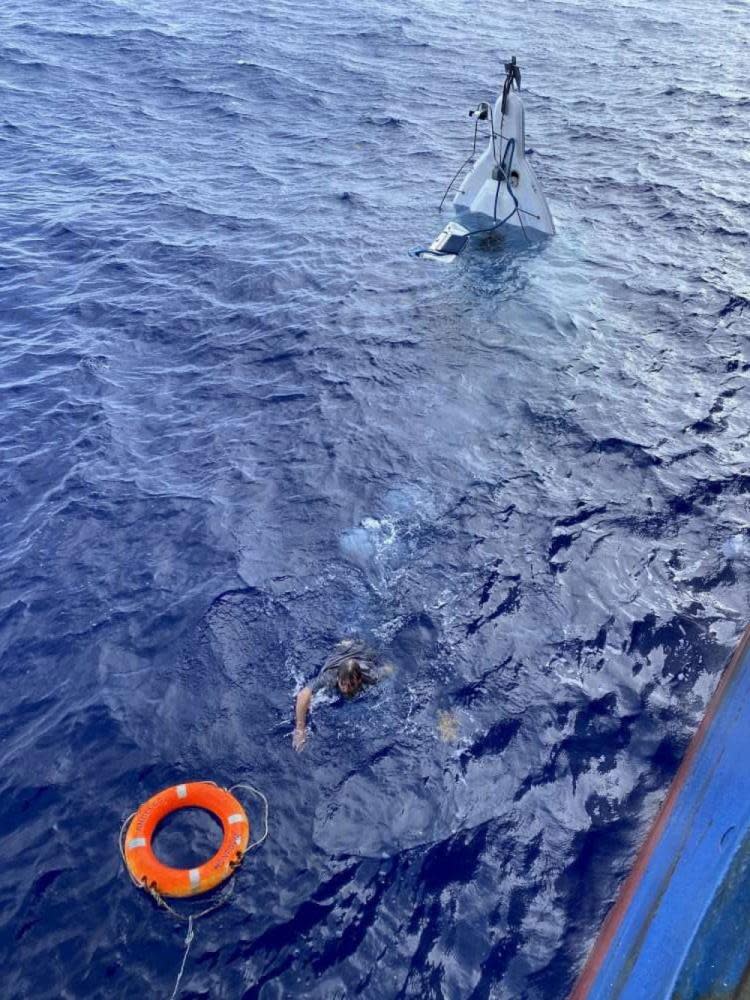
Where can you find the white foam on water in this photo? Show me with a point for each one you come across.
(736, 547)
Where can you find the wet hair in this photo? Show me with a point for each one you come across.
(351, 676)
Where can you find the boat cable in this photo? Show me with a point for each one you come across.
(465, 164)
(503, 174)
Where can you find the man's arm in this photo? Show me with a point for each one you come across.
(301, 709)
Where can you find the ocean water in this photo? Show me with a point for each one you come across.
(239, 422)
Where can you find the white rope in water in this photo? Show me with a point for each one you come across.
(264, 800)
(122, 849)
(188, 941)
(161, 901)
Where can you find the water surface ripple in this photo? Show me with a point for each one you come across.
(238, 421)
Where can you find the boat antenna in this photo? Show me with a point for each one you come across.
(512, 75)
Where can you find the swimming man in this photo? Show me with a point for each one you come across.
(351, 667)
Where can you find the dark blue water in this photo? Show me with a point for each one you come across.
(238, 422)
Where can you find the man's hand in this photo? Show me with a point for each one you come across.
(300, 718)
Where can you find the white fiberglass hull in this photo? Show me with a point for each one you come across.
(487, 198)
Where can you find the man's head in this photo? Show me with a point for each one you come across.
(351, 678)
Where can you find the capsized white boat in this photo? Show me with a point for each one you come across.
(501, 189)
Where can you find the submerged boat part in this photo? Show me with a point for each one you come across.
(446, 246)
(501, 188)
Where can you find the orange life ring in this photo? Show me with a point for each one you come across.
(149, 872)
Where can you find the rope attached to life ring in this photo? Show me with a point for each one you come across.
(190, 919)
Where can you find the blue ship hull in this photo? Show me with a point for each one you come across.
(680, 927)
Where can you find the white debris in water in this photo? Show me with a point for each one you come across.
(736, 547)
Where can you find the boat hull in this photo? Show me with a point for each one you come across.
(679, 926)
